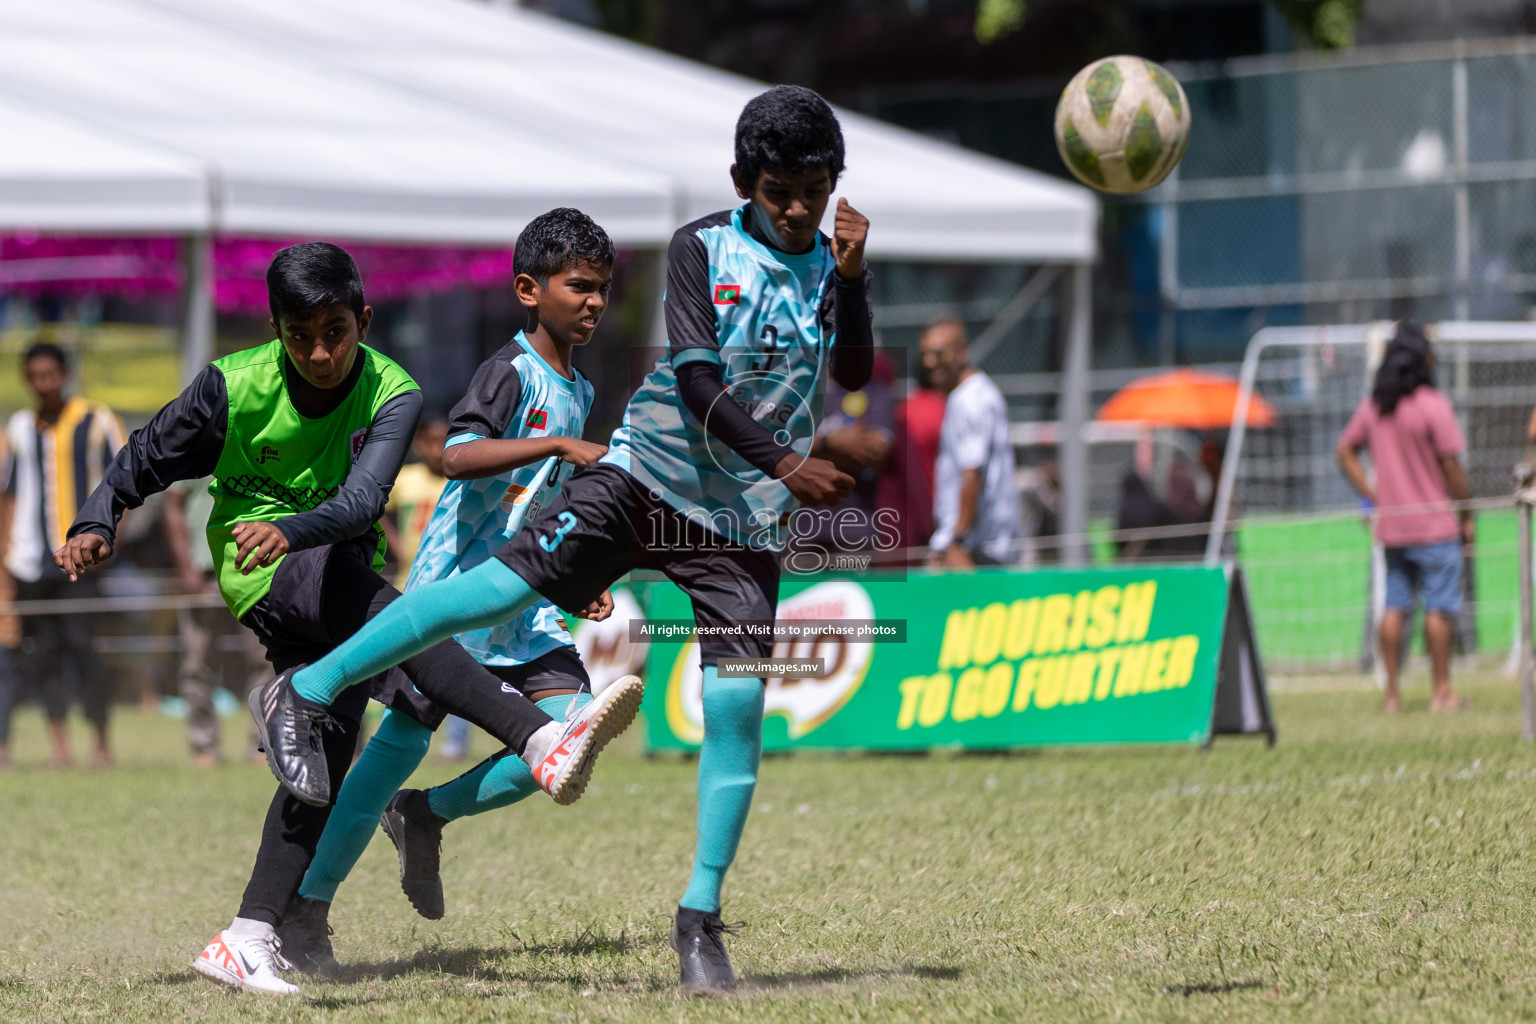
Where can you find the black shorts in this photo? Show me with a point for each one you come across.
(605, 523)
(319, 598)
(560, 669)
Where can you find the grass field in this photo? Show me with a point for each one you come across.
(1366, 869)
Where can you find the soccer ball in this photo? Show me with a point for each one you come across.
(1122, 124)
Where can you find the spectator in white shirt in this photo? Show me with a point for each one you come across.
(975, 501)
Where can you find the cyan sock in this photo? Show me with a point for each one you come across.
(500, 779)
(392, 754)
(728, 760)
(486, 595)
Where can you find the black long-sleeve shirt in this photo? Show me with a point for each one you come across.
(185, 438)
(690, 320)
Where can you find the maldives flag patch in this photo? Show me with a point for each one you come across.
(537, 418)
(727, 294)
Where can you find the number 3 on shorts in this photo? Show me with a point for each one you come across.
(567, 524)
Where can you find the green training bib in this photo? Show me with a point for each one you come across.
(277, 463)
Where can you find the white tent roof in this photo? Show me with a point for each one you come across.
(569, 95)
(57, 176)
(297, 145)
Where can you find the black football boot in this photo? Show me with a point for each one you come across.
(306, 936)
(704, 968)
(418, 837)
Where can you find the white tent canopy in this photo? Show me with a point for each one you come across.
(587, 93)
(293, 145)
(445, 120)
(58, 176)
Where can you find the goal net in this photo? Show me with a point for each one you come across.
(1301, 533)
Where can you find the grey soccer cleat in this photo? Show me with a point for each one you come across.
(418, 837)
(704, 969)
(290, 730)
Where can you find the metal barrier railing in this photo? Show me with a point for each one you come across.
(110, 605)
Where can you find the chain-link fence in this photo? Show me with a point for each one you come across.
(909, 296)
(1349, 188)
(1341, 188)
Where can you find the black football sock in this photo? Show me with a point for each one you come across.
(456, 682)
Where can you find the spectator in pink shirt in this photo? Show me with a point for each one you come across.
(1411, 432)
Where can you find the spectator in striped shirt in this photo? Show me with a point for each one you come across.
(55, 455)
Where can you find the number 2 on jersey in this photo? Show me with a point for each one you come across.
(771, 335)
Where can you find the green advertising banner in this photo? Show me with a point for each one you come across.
(991, 659)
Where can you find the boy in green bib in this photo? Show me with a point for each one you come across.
(303, 437)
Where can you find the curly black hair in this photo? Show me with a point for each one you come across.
(559, 240)
(312, 276)
(787, 128)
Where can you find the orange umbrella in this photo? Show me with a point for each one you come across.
(1185, 398)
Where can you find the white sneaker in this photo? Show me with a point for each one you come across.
(245, 962)
(562, 761)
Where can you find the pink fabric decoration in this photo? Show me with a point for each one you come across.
(31, 264)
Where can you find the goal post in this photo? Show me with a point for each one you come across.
(1282, 498)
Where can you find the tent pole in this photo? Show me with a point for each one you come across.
(198, 334)
(1014, 310)
(1073, 461)
(658, 338)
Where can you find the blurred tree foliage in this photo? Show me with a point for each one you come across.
(719, 31)
(1326, 24)
(799, 40)
(693, 28)
(690, 26)
(997, 18)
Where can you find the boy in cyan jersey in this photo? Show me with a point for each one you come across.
(701, 478)
(303, 437)
(511, 440)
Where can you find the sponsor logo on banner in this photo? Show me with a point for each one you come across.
(993, 659)
(1039, 653)
(805, 703)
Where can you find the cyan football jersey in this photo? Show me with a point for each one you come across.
(514, 394)
(771, 334)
